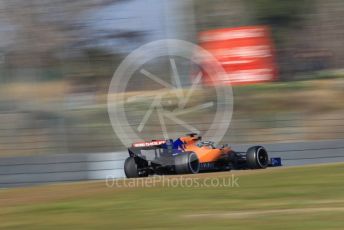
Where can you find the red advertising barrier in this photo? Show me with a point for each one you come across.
(246, 54)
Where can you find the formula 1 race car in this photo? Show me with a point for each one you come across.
(191, 155)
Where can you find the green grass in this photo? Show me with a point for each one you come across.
(285, 198)
(273, 87)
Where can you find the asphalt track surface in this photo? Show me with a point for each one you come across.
(304, 153)
(27, 171)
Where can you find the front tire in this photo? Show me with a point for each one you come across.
(257, 157)
(187, 163)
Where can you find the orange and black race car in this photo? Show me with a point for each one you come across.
(190, 155)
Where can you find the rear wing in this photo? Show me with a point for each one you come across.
(148, 144)
(155, 148)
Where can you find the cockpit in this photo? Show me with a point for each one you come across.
(209, 144)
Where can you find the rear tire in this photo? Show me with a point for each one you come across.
(257, 157)
(187, 163)
(130, 168)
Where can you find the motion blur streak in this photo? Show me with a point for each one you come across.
(280, 86)
(57, 58)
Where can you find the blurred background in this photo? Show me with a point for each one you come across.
(57, 58)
